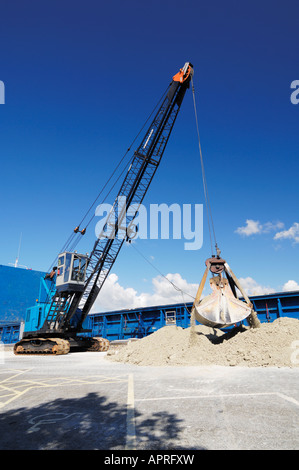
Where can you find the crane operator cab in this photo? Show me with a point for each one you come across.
(71, 272)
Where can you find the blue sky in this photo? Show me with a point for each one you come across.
(80, 80)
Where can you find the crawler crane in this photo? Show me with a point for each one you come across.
(56, 325)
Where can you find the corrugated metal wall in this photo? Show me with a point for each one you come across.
(123, 324)
(19, 289)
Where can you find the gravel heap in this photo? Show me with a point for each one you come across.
(273, 344)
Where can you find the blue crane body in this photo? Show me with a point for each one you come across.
(56, 325)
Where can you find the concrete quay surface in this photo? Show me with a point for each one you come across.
(84, 401)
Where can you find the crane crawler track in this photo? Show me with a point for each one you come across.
(42, 346)
(99, 344)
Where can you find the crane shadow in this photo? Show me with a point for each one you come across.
(90, 422)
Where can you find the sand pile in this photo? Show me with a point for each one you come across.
(273, 344)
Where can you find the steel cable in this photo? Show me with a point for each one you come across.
(205, 186)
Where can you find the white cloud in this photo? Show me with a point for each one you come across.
(270, 226)
(114, 296)
(252, 287)
(290, 286)
(254, 227)
(292, 233)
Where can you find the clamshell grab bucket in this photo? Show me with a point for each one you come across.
(221, 308)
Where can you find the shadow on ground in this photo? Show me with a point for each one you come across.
(85, 423)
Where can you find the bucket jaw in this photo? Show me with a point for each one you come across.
(222, 307)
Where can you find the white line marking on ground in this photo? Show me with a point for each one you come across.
(290, 399)
(206, 396)
(278, 394)
(131, 436)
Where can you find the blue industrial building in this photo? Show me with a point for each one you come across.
(140, 322)
(20, 288)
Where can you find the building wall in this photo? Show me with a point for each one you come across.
(136, 323)
(19, 289)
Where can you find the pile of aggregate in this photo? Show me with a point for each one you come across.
(272, 344)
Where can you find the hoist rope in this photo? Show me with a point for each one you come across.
(205, 186)
(161, 274)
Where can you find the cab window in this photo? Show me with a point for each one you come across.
(60, 265)
(78, 271)
(68, 260)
